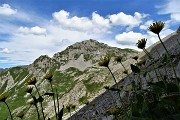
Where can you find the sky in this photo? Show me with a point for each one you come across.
(30, 28)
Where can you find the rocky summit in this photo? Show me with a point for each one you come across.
(77, 78)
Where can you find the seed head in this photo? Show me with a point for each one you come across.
(142, 62)
(49, 76)
(156, 27)
(141, 44)
(135, 57)
(29, 89)
(32, 81)
(3, 97)
(105, 61)
(21, 114)
(106, 87)
(125, 72)
(119, 58)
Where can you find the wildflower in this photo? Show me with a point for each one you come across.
(73, 107)
(135, 69)
(142, 62)
(156, 27)
(125, 72)
(20, 115)
(29, 90)
(119, 58)
(105, 61)
(49, 76)
(32, 81)
(106, 87)
(141, 44)
(135, 57)
(3, 97)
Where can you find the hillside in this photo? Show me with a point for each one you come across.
(76, 76)
(106, 105)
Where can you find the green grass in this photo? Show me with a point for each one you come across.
(92, 87)
(83, 100)
(63, 82)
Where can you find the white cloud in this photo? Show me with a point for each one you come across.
(129, 38)
(146, 25)
(6, 9)
(33, 30)
(6, 51)
(97, 24)
(123, 19)
(63, 30)
(171, 7)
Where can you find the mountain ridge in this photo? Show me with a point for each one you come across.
(67, 79)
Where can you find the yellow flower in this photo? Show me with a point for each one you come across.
(156, 27)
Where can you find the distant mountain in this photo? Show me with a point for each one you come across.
(76, 76)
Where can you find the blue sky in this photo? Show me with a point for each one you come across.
(30, 28)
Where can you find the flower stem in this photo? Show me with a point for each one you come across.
(153, 62)
(40, 102)
(57, 97)
(168, 55)
(9, 110)
(112, 75)
(117, 87)
(36, 107)
(54, 100)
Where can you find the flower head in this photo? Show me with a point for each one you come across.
(106, 87)
(142, 62)
(3, 97)
(105, 61)
(156, 27)
(20, 114)
(49, 76)
(125, 72)
(29, 89)
(119, 58)
(135, 57)
(141, 44)
(32, 81)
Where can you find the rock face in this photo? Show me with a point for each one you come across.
(76, 77)
(97, 108)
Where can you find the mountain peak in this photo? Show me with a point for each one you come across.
(89, 51)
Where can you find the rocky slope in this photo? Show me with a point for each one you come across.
(76, 76)
(97, 108)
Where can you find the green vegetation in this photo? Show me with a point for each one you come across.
(83, 100)
(92, 87)
(159, 100)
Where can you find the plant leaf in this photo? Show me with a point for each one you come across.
(60, 114)
(49, 94)
(135, 69)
